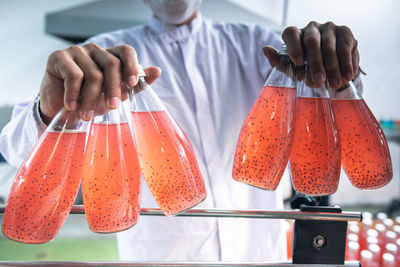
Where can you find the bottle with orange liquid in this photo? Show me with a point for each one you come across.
(47, 182)
(315, 155)
(264, 142)
(365, 154)
(111, 174)
(166, 157)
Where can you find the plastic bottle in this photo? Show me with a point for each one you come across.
(376, 252)
(365, 154)
(265, 139)
(315, 155)
(388, 223)
(367, 259)
(166, 157)
(111, 176)
(47, 182)
(390, 237)
(381, 229)
(352, 251)
(388, 260)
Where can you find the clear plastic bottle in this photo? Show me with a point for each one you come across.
(265, 139)
(365, 154)
(352, 251)
(388, 260)
(166, 157)
(381, 229)
(367, 259)
(47, 182)
(111, 175)
(376, 252)
(315, 155)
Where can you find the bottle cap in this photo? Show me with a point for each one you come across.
(284, 50)
(353, 245)
(141, 71)
(391, 235)
(381, 216)
(388, 258)
(366, 222)
(374, 248)
(388, 222)
(391, 248)
(353, 228)
(352, 237)
(367, 215)
(372, 232)
(366, 254)
(380, 227)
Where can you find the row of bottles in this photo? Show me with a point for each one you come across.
(109, 154)
(314, 128)
(376, 243)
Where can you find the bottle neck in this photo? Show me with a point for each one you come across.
(140, 86)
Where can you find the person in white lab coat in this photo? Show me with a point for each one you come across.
(212, 73)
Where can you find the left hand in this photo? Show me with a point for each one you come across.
(331, 52)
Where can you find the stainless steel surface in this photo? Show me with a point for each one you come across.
(255, 214)
(161, 264)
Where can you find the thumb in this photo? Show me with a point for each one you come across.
(272, 55)
(152, 74)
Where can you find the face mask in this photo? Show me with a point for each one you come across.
(173, 11)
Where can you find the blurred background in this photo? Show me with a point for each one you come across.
(31, 30)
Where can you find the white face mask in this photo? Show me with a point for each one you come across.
(173, 11)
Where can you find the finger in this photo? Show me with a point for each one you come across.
(292, 38)
(312, 47)
(152, 74)
(101, 107)
(328, 49)
(111, 67)
(92, 82)
(130, 64)
(61, 65)
(345, 46)
(355, 60)
(272, 55)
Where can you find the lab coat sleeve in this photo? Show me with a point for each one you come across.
(22, 132)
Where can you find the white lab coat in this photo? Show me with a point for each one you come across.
(212, 74)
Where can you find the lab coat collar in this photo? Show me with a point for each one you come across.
(170, 33)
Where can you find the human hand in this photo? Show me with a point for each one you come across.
(75, 78)
(331, 52)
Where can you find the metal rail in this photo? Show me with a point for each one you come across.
(255, 214)
(163, 264)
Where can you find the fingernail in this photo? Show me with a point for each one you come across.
(299, 61)
(348, 76)
(319, 78)
(72, 105)
(132, 80)
(89, 114)
(113, 102)
(333, 83)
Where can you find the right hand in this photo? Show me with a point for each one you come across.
(76, 76)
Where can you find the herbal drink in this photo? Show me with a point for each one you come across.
(111, 178)
(263, 147)
(365, 154)
(168, 162)
(45, 187)
(315, 156)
